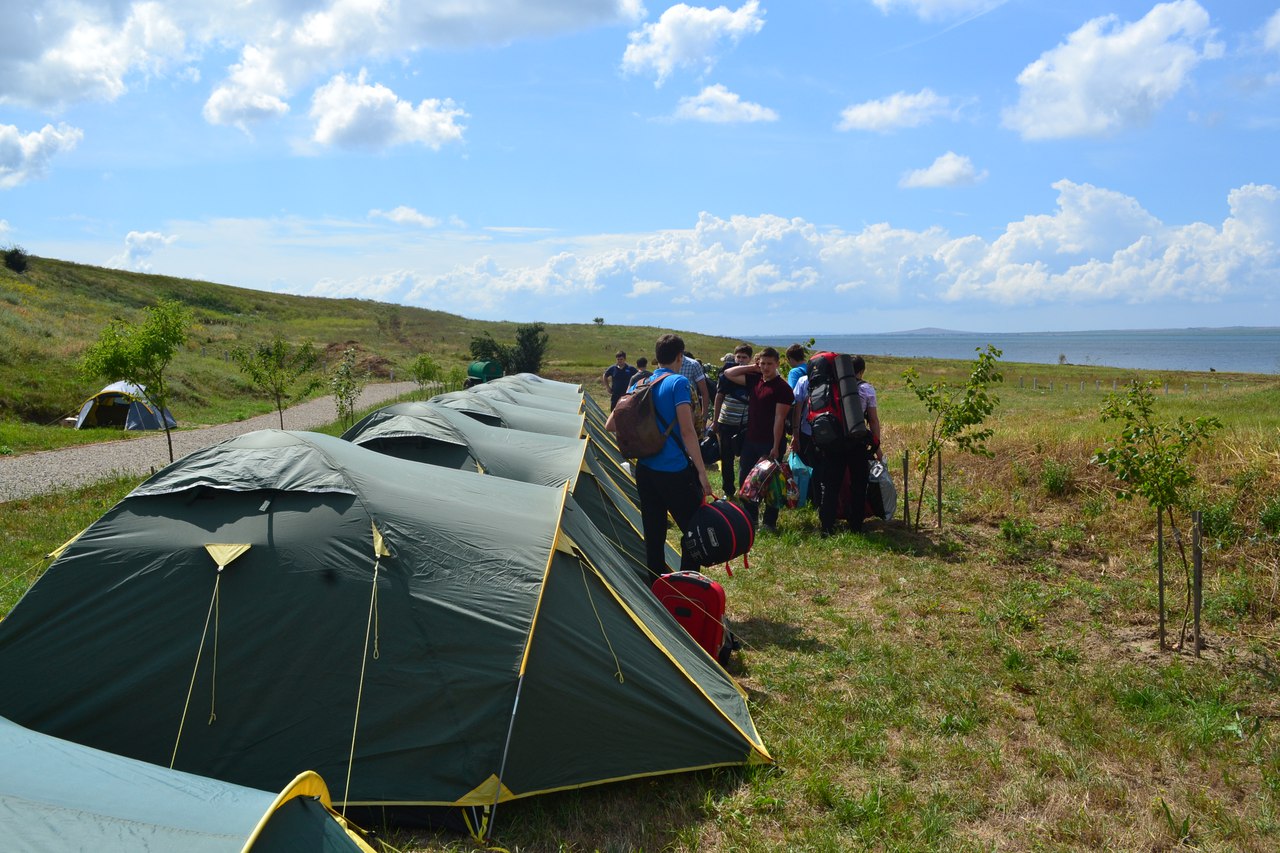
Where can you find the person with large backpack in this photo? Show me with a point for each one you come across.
(673, 480)
(843, 398)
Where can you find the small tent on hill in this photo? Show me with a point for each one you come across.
(438, 435)
(289, 600)
(122, 404)
(58, 795)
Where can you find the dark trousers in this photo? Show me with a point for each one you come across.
(830, 470)
(753, 452)
(832, 463)
(676, 493)
(614, 397)
(730, 445)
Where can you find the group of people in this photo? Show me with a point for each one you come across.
(755, 413)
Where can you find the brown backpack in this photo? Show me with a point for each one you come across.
(635, 421)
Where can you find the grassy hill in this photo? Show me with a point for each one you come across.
(51, 312)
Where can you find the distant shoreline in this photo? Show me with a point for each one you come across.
(1235, 349)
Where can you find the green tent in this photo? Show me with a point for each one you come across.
(438, 435)
(493, 409)
(498, 412)
(58, 795)
(289, 600)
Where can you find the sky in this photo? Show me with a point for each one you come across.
(803, 168)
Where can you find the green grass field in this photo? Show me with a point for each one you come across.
(993, 684)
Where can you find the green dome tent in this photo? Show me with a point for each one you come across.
(289, 600)
(438, 435)
(499, 412)
(58, 795)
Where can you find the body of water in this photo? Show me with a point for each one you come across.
(1232, 350)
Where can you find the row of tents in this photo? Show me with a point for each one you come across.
(446, 606)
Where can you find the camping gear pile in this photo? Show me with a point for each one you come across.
(423, 613)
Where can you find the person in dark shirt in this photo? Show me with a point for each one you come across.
(642, 369)
(768, 405)
(618, 378)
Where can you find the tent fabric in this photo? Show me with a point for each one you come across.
(59, 795)
(489, 590)
(499, 412)
(424, 433)
(122, 404)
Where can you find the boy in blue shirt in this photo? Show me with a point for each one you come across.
(674, 480)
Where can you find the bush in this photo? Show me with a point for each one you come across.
(1217, 521)
(16, 258)
(1269, 518)
(1056, 477)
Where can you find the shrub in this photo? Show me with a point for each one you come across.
(16, 258)
(1056, 477)
(1217, 521)
(1269, 518)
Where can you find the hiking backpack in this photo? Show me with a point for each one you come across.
(835, 406)
(635, 420)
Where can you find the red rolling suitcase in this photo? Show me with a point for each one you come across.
(697, 602)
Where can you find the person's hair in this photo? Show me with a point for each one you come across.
(744, 348)
(859, 364)
(769, 352)
(668, 348)
(619, 354)
(642, 362)
(795, 352)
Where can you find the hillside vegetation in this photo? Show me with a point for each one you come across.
(50, 313)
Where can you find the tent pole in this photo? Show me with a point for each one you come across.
(502, 766)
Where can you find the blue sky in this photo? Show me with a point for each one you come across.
(816, 167)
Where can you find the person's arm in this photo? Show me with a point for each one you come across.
(605, 379)
(715, 417)
(689, 437)
(609, 424)
(873, 421)
(795, 426)
(779, 427)
(738, 373)
(704, 397)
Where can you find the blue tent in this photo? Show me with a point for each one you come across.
(122, 404)
(59, 795)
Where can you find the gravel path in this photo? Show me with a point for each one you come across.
(53, 470)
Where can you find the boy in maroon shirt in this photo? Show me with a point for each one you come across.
(768, 405)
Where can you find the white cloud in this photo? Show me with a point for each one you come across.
(648, 288)
(355, 114)
(403, 215)
(4, 227)
(138, 248)
(717, 104)
(1108, 76)
(26, 156)
(897, 110)
(688, 37)
(1271, 32)
(932, 10)
(299, 46)
(64, 51)
(949, 170)
(1098, 247)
